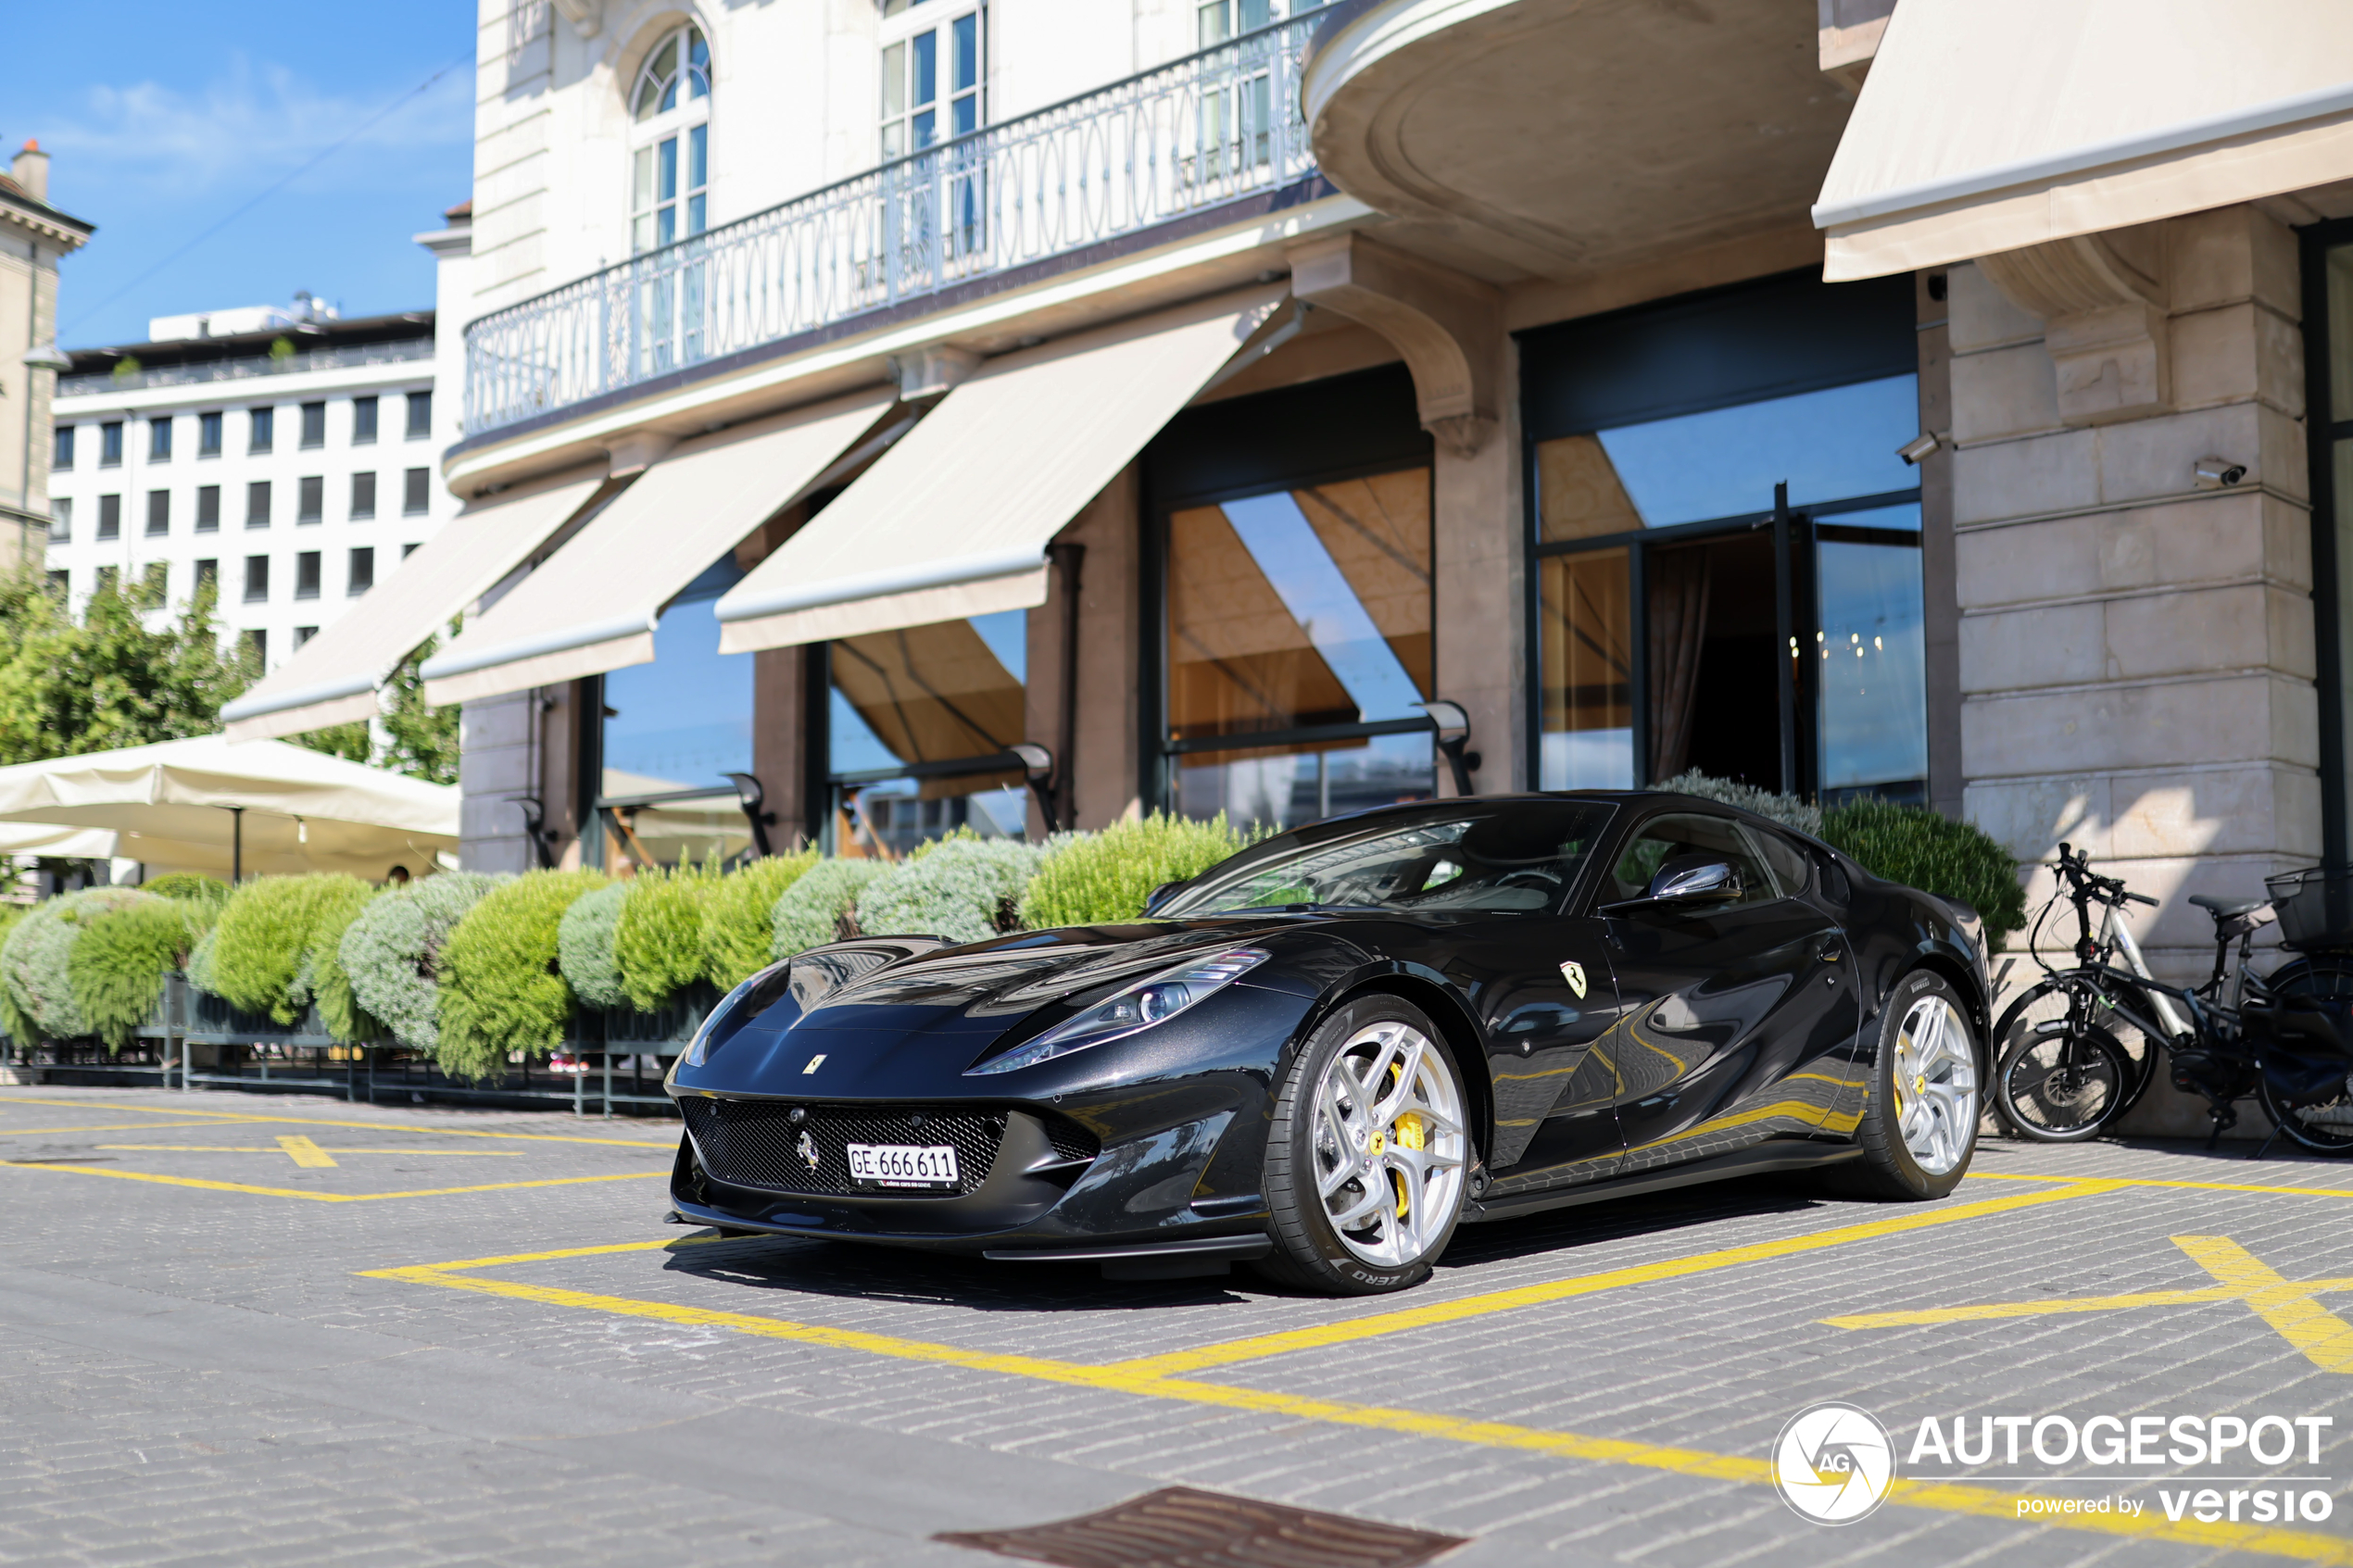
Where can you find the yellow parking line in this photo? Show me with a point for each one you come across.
(2287, 1305)
(273, 1148)
(1326, 1335)
(201, 1183)
(305, 1153)
(665, 1145)
(113, 1127)
(2144, 1181)
(1943, 1497)
(2066, 1304)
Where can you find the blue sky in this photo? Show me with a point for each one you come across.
(163, 117)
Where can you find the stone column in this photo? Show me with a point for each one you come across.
(2136, 641)
(496, 767)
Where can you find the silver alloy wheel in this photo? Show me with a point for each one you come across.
(1390, 1146)
(1935, 1080)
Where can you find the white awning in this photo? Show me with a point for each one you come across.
(953, 521)
(593, 605)
(1991, 125)
(333, 679)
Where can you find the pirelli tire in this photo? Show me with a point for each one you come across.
(1367, 1154)
(1923, 1098)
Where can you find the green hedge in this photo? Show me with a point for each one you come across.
(822, 906)
(193, 887)
(262, 951)
(737, 933)
(1932, 852)
(37, 963)
(393, 951)
(584, 947)
(117, 966)
(329, 983)
(1104, 878)
(1784, 808)
(965, 889)
(501, 990)
(659, 937)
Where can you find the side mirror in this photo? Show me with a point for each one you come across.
(1161, 895)
(1688, 879)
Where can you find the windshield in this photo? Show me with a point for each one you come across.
(1510, 858)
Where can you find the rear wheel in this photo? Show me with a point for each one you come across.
(1367, 1153)
(2326, 1128)
(1919, 1117)
(2063, 1084)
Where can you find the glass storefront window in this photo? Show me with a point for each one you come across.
(1304, 610)
(1873, 681)
(927, 698)
(1585, 691)
(681, 722)
(1829, 446)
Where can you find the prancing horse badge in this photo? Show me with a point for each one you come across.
(1574, 973)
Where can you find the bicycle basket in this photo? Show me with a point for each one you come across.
(2314, 906)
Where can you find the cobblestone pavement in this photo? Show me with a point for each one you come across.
(242, 1330)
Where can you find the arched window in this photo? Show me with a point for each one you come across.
(670, 154)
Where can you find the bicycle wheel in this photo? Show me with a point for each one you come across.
(2323, 975)
(2060, 1086)
(2059, 999)
(2326, 1128)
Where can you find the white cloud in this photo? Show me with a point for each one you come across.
(253, 124)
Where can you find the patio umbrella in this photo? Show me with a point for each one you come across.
(206, 805)
(59, 842)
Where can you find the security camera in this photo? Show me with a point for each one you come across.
(1920, 447)
(2217, 473)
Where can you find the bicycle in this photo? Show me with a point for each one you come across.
(2065, 1074)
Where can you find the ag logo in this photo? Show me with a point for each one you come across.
(1833, 1463)
(1575, 974)
(807, 1148)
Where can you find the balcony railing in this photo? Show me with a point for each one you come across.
(1211, 128)
(398, 352)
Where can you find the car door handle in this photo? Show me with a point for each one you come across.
(1829, 952)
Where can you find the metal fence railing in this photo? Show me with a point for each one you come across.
(1211, 128)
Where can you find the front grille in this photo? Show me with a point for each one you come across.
(757, 1144)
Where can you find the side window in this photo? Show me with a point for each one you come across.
(1786, 860)
(1663, 838)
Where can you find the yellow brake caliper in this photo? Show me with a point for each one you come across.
(1406, 1132)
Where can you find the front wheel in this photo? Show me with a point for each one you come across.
(1920, 1116)
(2063, 1084)
(1367, 1153)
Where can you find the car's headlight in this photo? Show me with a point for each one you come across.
(737, 1009)
(1140, 1007)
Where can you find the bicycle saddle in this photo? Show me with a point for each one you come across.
(2227, 908)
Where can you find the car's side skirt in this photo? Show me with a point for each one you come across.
(1790, 1154)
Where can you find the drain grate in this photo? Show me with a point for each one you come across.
(1179, 1527)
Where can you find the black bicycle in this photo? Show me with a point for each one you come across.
(2081, 1047)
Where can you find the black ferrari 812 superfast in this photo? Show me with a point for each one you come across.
(1321, 1056)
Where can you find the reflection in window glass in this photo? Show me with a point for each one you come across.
(1585, 640)
(1874, 690)
(1288, 787)
(1828, 444)
(1905, 516)
(683, 722)
(943, 692)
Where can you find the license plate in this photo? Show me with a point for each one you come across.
(903, 1165)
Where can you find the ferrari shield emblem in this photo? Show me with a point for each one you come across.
(1574, 973)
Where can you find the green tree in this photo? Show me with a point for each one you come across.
(418, 740)
(105, 680)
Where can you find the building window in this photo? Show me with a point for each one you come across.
(420, 415)
(363, 497)
(314, 424)
(307, 575)
(415, 495)
(110, 444)
(208, 434)
(256, 580)
(60, 520)
(1725, 565)
(681, 722)
(109, 576)
(362, 576)
(61, 450)
(670, 159)
(256, 644)
(264, 426)
(363, 421)
(207, 509)
(208, 577)
(60, 585)
(158, 512)
(934, 78)
(159, 440)
(154, 583)
(407, 550)
(303, 635)
(258, 504)
(310, 499)
(109, 517)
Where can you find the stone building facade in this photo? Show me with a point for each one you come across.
(34, 237)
